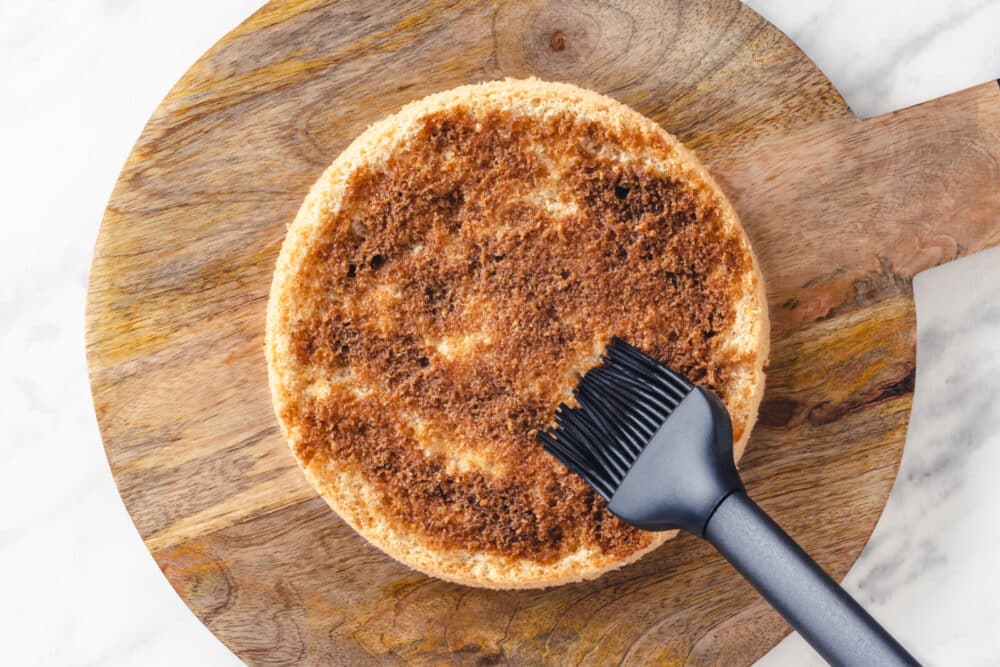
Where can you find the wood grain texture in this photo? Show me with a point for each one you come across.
(841, 212)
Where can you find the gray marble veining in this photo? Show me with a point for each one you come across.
(929, 571)
(79, 81)
(887, 55)
(81, 78)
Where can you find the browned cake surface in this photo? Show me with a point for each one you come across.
(450, 302)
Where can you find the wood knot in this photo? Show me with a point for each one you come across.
(557, 41)
(777, 412)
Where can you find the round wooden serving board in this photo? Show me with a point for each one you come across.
(841, 212)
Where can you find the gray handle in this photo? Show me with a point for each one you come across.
(824, 614)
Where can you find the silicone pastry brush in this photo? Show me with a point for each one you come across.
(660, 450)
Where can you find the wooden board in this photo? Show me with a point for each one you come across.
(841, 212)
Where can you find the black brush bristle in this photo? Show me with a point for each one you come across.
(623, 402)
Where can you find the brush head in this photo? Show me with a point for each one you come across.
(658, 448)
(623, 402)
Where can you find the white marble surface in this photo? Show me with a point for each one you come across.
(929, 571)
(885, 55)
(80, 77)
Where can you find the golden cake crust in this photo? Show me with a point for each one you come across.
(444, 284)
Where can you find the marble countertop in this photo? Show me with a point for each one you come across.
(81, 78)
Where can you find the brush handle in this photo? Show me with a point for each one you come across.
(813, 603)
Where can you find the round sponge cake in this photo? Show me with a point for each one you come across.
(445, 284)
